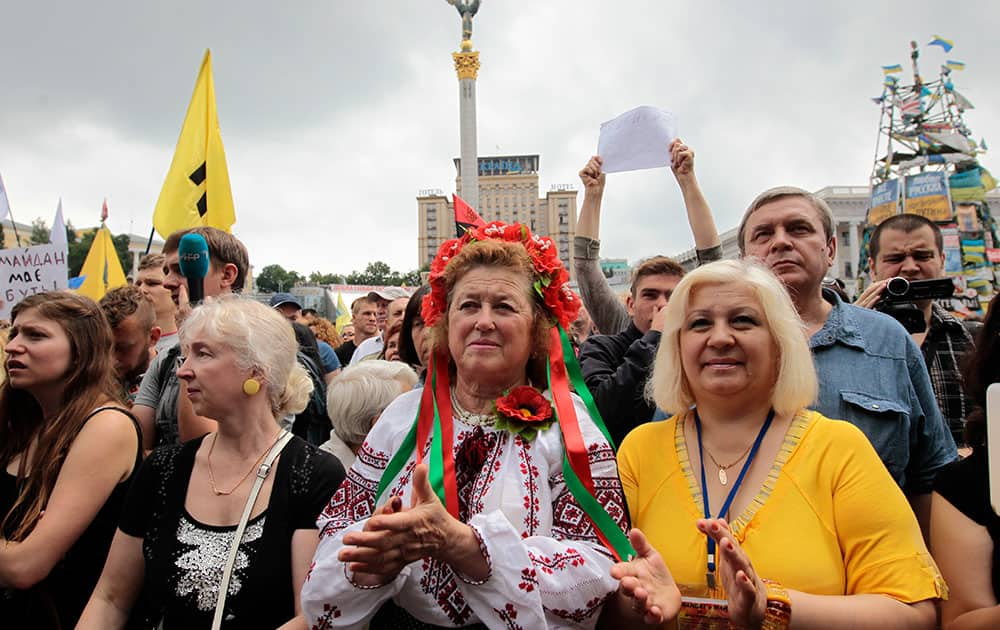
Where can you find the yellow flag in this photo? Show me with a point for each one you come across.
(343, 314)
(196, 191)
(102, 269)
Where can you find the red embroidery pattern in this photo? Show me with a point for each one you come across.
(529, 580)
(558, 561)
(330, 612)
(529, 473)
(476, 456)
(353, 501)
(376, 459)
(508, 615)
(439, 582)
(581, 614)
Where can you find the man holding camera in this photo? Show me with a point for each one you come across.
(910, 246)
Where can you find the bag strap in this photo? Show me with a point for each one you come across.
(234, 547)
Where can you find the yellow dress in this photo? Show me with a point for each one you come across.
(828, 520)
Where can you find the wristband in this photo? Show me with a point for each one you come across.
(778, 614)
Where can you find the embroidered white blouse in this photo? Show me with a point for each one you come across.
(547, 566)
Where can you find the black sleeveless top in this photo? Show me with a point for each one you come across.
(59, 599)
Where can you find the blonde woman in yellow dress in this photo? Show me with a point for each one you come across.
(790, 516)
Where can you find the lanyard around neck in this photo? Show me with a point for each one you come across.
(736, 486)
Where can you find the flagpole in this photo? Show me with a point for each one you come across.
(149, 243)
(14, 225)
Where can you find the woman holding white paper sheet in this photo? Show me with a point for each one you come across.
(965, 530)
(748, 493)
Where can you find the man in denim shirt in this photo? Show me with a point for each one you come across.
(871, 372)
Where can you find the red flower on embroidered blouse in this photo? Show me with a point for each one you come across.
(524, 405)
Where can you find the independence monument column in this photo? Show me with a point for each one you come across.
(467, 66)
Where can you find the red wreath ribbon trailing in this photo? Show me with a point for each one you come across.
(434, 421)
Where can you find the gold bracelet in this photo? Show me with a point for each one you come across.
(778, 614)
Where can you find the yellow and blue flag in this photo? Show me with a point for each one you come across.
(892, 69)
(955, 65)
(946, 44)
(343, 314)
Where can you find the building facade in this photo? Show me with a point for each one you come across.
(508, 192)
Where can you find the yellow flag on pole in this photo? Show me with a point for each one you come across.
(196, 191)
(343, 314)
(102, 271)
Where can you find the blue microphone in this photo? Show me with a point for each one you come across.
(192, 255)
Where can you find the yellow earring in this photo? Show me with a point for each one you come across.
(251, 386)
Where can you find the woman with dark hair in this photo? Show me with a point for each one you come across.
(413, 348)
(965, 530)
(390, 351)
(69, 448)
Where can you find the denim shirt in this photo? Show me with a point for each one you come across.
(872, 374)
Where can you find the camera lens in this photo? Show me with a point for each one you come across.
(897, 286)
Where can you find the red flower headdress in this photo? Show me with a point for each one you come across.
(434, 418)
(551, 280)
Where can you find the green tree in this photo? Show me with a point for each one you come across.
(39, 232)
(274, 278)
(325, 278)
(80, 247)
(375, 273)
(411, 278)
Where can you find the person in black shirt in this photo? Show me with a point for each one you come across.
(174, 536)
(69, 451)
(965, 529)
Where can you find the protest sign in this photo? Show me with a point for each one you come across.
(29, 270)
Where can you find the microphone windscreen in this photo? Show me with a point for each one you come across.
(192, 254)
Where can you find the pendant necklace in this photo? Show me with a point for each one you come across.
(723, 477)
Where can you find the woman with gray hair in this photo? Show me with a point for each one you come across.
(356, 399)
(174, 548)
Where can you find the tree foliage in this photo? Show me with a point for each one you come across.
(274, 278)
(325, 278)
(39, 232)
(379, 273)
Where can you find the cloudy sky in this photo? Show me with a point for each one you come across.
(334, 114)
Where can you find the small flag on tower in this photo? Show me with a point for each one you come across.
(892, 69)
(955, 65)
(946, 44)
(465, 217)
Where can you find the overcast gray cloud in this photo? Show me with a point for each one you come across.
(334, 114)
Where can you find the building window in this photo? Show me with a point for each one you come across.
(848, 270)
(845, 238)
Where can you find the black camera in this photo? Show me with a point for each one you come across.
(900, 294)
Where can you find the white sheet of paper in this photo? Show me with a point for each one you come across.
(638, 139)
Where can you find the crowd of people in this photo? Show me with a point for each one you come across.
(735, 445)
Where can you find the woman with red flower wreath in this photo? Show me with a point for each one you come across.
(490, 498)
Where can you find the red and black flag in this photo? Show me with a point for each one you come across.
(465, 217)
